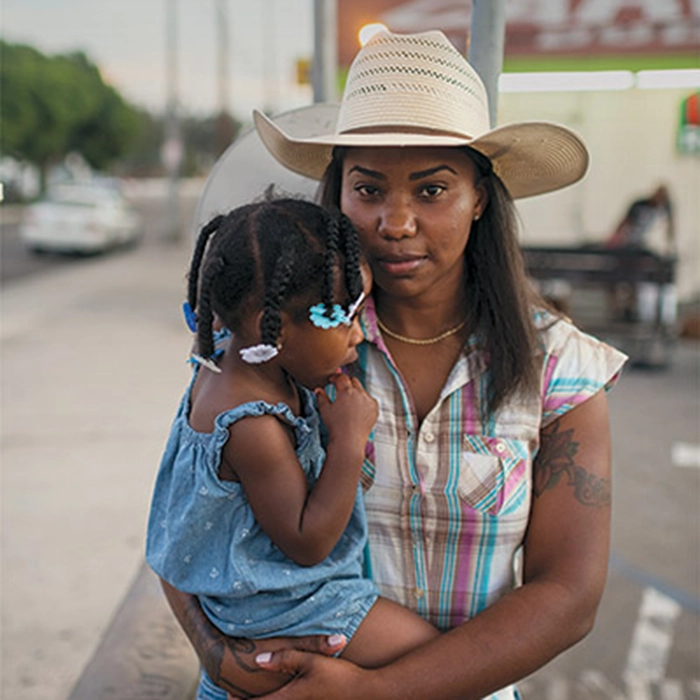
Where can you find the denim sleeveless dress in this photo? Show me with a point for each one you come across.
(203, 537)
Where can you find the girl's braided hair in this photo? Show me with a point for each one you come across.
(264, 255)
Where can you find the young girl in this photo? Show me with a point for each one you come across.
(250, 512)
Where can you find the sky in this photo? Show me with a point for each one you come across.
(127, 40)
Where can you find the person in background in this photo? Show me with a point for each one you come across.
(639, 219)
(646, 227)
(487, 478)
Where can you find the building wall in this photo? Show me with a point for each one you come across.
(631, 136)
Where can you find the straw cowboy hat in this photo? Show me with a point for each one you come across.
(418, 90)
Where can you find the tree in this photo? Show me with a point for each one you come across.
(52, 106)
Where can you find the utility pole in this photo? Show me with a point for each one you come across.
(325, 64)
(171, 151)
(270, 98)
(222, 53)
(485, 46)
(224, 130)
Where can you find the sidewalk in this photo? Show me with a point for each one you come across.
(93, 364)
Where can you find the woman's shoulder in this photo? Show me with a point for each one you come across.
(560, 335)
(575, 364)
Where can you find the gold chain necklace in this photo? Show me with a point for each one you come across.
(427, 341)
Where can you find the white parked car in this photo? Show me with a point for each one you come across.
(80, 218)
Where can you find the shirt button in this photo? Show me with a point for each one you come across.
(419, 593)
(429, 437)
(500, 447)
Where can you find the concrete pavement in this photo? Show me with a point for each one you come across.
(93, 364)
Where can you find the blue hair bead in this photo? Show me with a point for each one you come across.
(190, 316)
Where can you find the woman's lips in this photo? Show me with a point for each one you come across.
(400, 266)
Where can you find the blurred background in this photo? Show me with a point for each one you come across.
(113, 117)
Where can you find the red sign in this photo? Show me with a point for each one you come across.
(540, 27)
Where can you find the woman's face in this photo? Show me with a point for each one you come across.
(413, 209)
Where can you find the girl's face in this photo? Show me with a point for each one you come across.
(311, 354)
(413, 209)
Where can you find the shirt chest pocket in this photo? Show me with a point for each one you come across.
(481, 481)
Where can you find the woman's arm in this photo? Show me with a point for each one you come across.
(229, 662)
(565, 566)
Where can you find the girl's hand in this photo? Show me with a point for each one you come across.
(313, 675)
(353, 413)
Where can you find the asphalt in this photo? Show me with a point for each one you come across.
(93, 364)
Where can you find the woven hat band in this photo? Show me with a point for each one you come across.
(414, 111)
(417, 80)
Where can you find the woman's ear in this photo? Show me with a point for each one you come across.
(482, 200)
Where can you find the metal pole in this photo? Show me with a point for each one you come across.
(325, 65)
(224, 124)
(486, 40)
(223, 54)
(171, 154)
(269, 36)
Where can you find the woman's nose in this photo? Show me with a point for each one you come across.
(397, 220)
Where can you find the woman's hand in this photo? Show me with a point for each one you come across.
(313, 675)
(230, 663)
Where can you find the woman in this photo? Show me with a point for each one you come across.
(488, 474)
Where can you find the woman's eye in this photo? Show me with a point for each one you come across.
(431, 191)
(367, 190)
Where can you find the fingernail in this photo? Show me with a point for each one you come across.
(263, 658)
(336, 639)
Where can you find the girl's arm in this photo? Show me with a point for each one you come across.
(565, 565)
(305, 524)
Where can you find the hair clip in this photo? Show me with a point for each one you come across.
(204, 362)
(257, 354)
(356, 305)
(320, 319)
(190, 316)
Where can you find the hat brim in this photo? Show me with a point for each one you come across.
(246, 169)
(531, 158)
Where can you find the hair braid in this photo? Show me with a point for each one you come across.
(330, 263)
(202, 240)
(205, 312)
(271, 322)
(351, 250)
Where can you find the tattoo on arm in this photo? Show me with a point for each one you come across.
(212, 646)
(556, 461)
